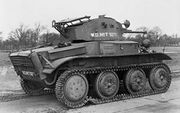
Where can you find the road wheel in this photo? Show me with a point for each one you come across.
(160, 78)
(31, 87)
(72, 89)
(135, 81)
(107, 84)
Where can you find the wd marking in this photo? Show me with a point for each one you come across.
(106, 34)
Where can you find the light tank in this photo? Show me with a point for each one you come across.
(94, 66)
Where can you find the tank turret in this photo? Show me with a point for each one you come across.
(84, 28)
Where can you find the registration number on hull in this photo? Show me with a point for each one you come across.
(29, 73)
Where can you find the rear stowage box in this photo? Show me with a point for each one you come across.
(118, 47)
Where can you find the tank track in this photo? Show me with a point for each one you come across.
(36, 93)
(122, 95)
(44, 92)
(39, 93)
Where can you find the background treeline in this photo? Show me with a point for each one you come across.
(24, 37)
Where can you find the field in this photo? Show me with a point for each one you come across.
(9, 81)
(4, 59)
(167, 49)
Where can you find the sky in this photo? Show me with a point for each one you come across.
(149, 13)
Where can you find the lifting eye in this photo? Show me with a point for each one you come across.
(104, 25)
(111, 26)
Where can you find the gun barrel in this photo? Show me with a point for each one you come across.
(129, 31)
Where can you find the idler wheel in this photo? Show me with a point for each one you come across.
(135, 81)
(72, 89)
(107, 84)
(160, 78)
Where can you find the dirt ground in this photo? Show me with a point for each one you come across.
(9, 84)
(4, 59)
(9, 81)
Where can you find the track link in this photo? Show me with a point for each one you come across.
(122, 95)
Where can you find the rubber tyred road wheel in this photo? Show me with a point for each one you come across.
(72, 89)
(135, 81)
(160, 78)
(107, 84)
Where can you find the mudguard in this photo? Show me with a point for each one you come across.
(59, 62)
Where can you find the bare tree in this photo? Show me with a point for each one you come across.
(26, 37)
(154, 34)
(36, 31)
(1, 40)
(50, 38)
(157, 31)
(19, 34)
(1, 37)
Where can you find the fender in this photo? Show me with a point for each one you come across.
(59, 62)
(137, 58)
